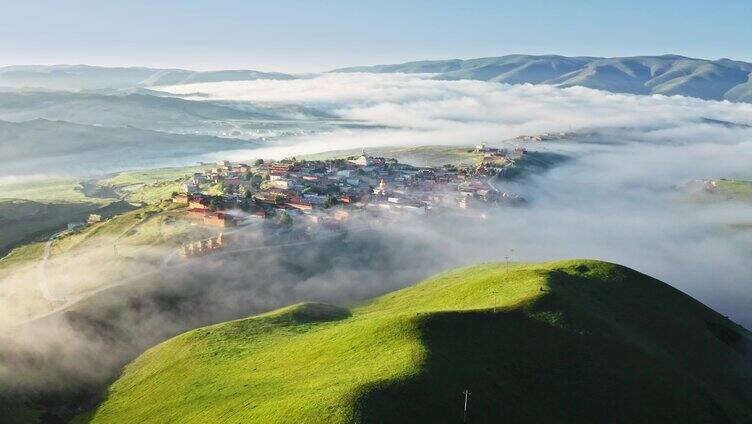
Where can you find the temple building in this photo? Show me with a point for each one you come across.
(362, 160)
(381, 189)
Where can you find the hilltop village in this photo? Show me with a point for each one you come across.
(319, 196)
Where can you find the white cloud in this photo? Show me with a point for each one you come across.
(616, 200)
(416, 110)
(480, 109)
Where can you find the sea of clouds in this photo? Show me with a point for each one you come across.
(411, 109)
(617, 198)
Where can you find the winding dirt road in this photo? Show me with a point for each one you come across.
(42, 270)
(72, 300)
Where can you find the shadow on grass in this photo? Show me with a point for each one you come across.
(521, 369)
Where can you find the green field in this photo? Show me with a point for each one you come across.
(734, 189)
(148, 186)
(130, 239)
(721, 190)
(571, 341)
(125, 217)
(120, 229)
(416, 156)
(31, 211)
(532, 163)
(49, 190)
(26, 221)
(150, 176)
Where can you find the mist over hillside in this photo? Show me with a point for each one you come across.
(82, 77)
(56, 147)
(375, 212)
(159, 111)
(139, 110)
(614, 198)
(82, 133)
(549, 331)
(616, 194)
(722, 79)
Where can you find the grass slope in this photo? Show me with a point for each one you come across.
(415, 155)
(33, 210)
(12, 412)
(27, 221)
(149, 185)
(568, 341)
(734, 189)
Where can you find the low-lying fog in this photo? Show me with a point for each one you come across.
(615, 199)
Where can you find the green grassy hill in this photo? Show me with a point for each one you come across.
(568, 341)
(414, 155)
(31, 211)
(734, 189)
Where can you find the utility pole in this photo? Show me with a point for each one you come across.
(464, 409)
(507, 257)
(506, 274)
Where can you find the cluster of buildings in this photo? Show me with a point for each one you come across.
(206, 209)
(326, 193)
(204, 247)
(222, 173)
(497, 160)
(91, 220)
(710, 185)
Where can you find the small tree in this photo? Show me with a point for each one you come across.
(329, 202)
(216, 203)
(284, 220)
(258, 162)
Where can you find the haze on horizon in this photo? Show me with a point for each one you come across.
(141, 205)
(614, 194)
(266, 36)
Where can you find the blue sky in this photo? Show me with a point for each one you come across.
(319, 35)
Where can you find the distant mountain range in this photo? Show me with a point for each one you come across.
(722, 79)
(83, 77)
